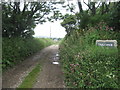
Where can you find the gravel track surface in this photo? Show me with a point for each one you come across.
(50, 76)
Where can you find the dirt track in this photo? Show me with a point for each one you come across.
(50, 77)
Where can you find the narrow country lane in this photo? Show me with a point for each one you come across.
(50, 76)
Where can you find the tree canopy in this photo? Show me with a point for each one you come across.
(19, 22)
(97, 12)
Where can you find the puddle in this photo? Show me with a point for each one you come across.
(57, 55)
(57, 58)
(55, 62)
(54, 58)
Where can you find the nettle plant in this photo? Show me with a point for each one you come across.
(103, 26)
(89, 66)
(100, 32)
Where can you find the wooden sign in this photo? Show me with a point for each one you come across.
(108, 43)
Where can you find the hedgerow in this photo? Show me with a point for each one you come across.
(87, 65)
(15, 50)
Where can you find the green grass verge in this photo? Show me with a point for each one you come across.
(31, 78)
(86, 65)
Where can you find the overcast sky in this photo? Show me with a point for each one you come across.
(57, 31)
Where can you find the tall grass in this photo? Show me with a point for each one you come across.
(15, 50)
(87, 65)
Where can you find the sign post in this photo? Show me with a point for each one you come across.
(107, 43)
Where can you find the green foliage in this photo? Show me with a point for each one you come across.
(108, 13)
(86, 65)
(100, 31)
(83, 20)
(94, 20)
(19, 22)
(15, 50)
(114, 20)
(69, 23)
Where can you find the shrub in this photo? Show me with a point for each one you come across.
(15, 50)
(86, 65)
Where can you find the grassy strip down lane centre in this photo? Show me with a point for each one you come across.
(31, 78)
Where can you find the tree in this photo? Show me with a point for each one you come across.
(69, 23)
(97, 12)
(92, 7)
(19, 22)
(80, 6)
(114, 20)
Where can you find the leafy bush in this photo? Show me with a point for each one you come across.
(15, 50)
(94, 20)
(114, 20)
(69, 23)
(86, 65)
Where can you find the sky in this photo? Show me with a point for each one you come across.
(57, 31)
(50, 30)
